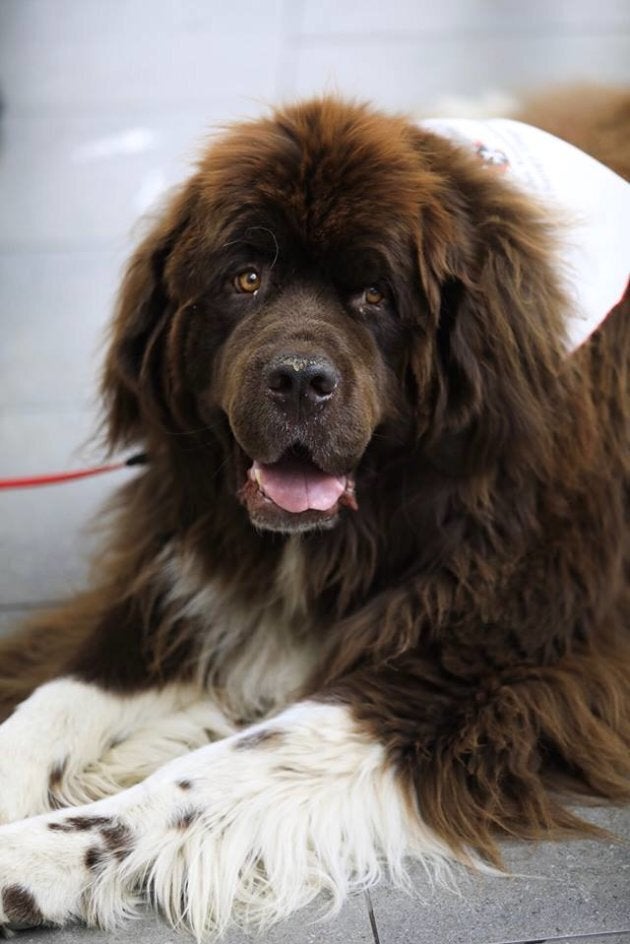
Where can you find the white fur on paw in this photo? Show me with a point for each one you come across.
(71, 742)
(41, 879)
(145, 750)
(49, 866)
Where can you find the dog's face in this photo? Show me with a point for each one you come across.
(303, 383)
(290, 302)
(307, 362)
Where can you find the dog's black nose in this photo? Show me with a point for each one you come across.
(297, 382)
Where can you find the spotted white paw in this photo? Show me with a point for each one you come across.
(71, 743)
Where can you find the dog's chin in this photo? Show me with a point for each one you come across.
(265, 515)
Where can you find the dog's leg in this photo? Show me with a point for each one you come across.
(255, 826)
(71, 741)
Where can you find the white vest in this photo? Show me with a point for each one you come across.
(593, 200)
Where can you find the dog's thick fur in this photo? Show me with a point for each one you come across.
(429, 665)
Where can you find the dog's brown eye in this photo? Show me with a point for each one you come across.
(247, 281)
(373, 296)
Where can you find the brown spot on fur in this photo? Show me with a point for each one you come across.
(54, 803)
(184, 784)
(94, 857)
(55, 781)
(20, 907)
(79, 824)
(249, 742)
(185, 819)
(118, 840)
(57, 774)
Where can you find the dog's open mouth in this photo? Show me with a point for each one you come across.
(295, 486)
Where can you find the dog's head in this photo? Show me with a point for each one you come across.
(332, 286)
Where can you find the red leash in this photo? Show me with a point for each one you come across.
(55, 478)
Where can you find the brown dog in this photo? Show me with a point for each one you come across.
(368, 600)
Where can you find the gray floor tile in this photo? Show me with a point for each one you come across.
(351, 926)
(594, 939)
(416, 71)
(557, 889)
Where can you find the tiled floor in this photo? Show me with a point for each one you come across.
(105, 103)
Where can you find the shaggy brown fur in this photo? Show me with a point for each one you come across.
(473, 611)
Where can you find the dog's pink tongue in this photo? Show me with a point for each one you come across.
(297, 487)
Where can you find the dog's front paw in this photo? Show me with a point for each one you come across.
(53, 868)
(41, 879)
(28, 874)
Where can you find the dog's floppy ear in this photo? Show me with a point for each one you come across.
(144, 303)
(486, 263)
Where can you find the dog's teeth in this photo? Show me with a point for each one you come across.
(254, 475)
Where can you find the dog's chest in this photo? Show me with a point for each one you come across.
(253, 659)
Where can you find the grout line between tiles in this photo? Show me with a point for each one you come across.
(592, 935)
(372, 916)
